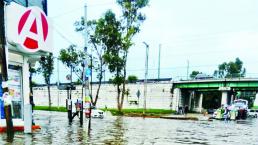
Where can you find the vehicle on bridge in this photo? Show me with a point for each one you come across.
(202, 76)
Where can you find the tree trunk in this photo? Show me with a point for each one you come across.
(118, 98)
(97, 93)
(49, 97)
(100, 81)
(124, 81)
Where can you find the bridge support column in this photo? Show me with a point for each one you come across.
(190, 100)
(256, 100)
(224, 98)
(200, 102)
(176, 99)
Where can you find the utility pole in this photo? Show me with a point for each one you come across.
(187, 73)
(4, 74)
(3, 43)
(91, 73)
(58, 83)
(146, 76)
(159, 62)
(87, 91)
(70, 114)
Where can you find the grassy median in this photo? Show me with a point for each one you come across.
(53, 108)
(115, 112)
(255, 107)
(139, 112)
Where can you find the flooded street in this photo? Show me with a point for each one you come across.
(129, 130)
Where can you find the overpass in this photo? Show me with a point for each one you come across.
(196, 94)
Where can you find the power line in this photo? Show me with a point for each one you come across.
(79, 8)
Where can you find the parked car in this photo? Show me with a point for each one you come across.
(96, 113)
(253, 113)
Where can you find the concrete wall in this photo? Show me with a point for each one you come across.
(158, 95)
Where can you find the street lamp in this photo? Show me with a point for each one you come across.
(146, 76)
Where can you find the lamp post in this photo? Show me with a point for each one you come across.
(146, 76)
(57, 81)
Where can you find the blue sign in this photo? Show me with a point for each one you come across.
(2, 115)
(88, 72)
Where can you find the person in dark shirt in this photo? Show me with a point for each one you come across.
(186, 109)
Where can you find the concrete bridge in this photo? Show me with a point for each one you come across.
(211, 93)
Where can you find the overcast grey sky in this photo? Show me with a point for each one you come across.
(205, 32)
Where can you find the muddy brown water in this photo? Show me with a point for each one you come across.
(135, 130)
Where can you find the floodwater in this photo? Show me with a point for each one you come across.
(133, 131)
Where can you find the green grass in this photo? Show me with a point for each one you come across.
(54, 108)
(255, 107)
(115, 112)
(137, 112)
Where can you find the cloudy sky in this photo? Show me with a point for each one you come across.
(203, 32)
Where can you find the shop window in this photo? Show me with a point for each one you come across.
(15, 90)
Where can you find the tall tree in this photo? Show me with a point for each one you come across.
(73, 58)
(98, 47)
(230, 69)
(132, 18)
(119, 40)
(194, 73)
(132, 79)
(114, 55)
(46, 68)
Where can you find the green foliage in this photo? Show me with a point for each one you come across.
(132, 79)
(32, 70)
(230, 69)
(116, 80)
(114, 37)
(118, 39)
(47, 67)
(78, 82)
(71, 57)
(33, 84)
(194, 73)
(97, 30)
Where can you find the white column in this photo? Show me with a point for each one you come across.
(200, 102)
(176, 98)
(190, 100)
(256, 100)
(232, 99)
(27, 118)
(224, 98)
(25, 81)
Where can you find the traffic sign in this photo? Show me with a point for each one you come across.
(88, 72)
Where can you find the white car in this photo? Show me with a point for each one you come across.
(96, 113)
(253, 113)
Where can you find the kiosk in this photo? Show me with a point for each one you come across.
(29, 36)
